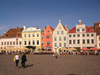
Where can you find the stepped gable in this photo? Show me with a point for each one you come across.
(13, 32)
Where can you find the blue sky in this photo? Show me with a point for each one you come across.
(17, 13)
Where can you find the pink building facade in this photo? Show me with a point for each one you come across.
(46, 38)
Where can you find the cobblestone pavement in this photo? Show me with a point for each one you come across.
(49, 65)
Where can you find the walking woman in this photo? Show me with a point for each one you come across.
(23, 60)
(17, 60)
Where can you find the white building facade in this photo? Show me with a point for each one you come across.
(60, 39)
(81, 36)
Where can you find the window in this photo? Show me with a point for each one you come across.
(73, 41)
(83, 41)
(28, 35)
(69, 35)
(69, 41)
(83, 29)
(87, 35)
(20, 42)
(64, 38)
(24, 35)
(92, 35)
(13, 43)
(61, 32)
(29, 43)
(59, 44)
(42, 37)
(78, 30)
(1, 43)
(33, 42)
(48, 42)
(74, 35)
(59, 38)
(48, 31)
(55, 44)
(37, 34)
(48, 36)
(16, 42)
(92, 41)
(59, 28)
(33, 35)
(87, 41)
(64, 44)
(99, 38)
(83, 35)
(55, 39)
(24, 42)
(57, 32)
(4, 43)
(99, 44)
(10, 43)
(42, 43)
(78, 41)
(37, 42)
(78, 35)
(7, 43)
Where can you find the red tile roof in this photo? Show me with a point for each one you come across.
(13, 32)
(97, 31)
(73, 30)
(52, 29)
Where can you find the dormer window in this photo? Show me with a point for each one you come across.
(83, 29)
(78, 30)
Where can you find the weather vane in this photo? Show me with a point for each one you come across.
(59, 16)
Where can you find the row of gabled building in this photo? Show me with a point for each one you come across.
(52, 39)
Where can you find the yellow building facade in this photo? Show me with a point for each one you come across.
(31, 37)
(98, 41)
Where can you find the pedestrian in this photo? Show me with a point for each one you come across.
(23, 59)
(17, 60)
(56, 55)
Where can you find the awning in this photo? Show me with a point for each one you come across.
(84, 48)
(72, 48)
(93, 48)
(10, 49)
(63, 48)
(48, 45)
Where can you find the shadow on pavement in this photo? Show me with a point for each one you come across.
(71, 74)
(27, 66)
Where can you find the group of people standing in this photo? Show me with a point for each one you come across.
(23, 60)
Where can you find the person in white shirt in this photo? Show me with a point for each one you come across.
(17, 60)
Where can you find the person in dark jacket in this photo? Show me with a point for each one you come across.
(23, 60)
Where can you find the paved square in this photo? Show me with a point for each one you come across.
(49, 65)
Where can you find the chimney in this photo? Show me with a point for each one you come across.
(5, 34)
(36, 27)
(24, 27)
(44, 28)
(17, 34)
(66, 28)
(79, 21)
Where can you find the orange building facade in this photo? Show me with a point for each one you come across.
(46, 38)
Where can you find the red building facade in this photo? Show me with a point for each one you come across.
(46, 38)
